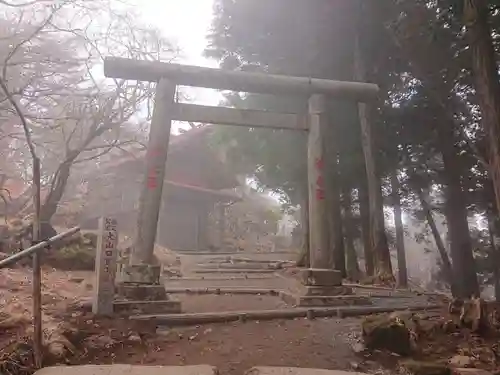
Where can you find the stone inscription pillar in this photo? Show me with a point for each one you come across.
(105, 267)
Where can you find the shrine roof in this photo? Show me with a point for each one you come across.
(191, 145)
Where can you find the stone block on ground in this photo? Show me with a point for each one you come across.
(129, 370)
(142, 292)
(147, 307)
(395, 332)
(424, 368)
(324, 301)
(297, 371)
(320, 277)
(141, 274)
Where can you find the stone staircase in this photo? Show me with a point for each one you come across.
(181, 370)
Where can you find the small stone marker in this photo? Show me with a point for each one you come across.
(105, 267)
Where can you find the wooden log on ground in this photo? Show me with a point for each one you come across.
(186, 75)
(292, 313)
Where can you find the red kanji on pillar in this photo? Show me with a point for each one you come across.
(155, 152)
(320, 182)
(319, 163)
(320, 194)
(152, 180)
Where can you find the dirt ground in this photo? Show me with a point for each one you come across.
(232, 347)
(236, 347)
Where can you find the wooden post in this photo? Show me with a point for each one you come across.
(319, 250)
(156, 159)
(105, 267)
(9, 261)
(222, 225)
(197, 229)
(201, 227)
(37, 271)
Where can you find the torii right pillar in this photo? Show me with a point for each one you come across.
(321, 284)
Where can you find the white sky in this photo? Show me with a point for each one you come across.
(187, 23)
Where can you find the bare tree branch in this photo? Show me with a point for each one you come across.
(20, 113)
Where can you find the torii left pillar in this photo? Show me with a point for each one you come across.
(142, 268)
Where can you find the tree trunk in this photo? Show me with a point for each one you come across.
(494, 256)
(378, 238)
(60, 181)
(485, 71)
(400, 240)
(364, 212)
(304, 259)
(352, 265)
(3, 179)
(335, 217)
(464, 269)
(445, 259)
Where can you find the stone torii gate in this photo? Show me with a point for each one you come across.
(320, 279)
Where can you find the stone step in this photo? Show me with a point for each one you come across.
(147, 307)
(300, 300)
(216, 290)
(269, 281)
(297, 371)
(248, 260)
(238, 266)
(221, 278)
(237, 253)
(206, 370)
(236, 271)
(128, 369)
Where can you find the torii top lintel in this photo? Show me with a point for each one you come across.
(187, 75)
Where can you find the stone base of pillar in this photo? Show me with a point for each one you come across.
(320, 277)
(340, 290)
(144, 299)
(148, 274)
(141, 292)
(322, 287)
